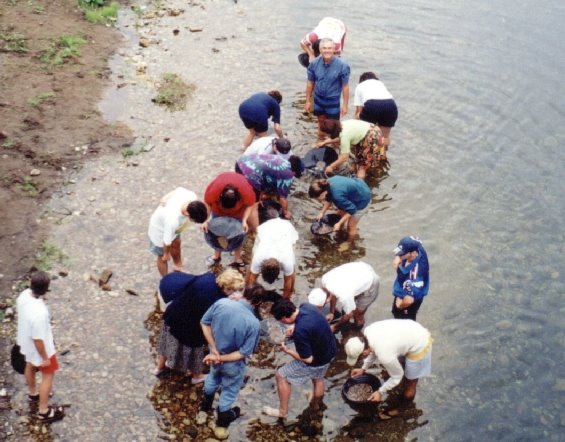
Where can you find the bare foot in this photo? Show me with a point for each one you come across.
(273, 412)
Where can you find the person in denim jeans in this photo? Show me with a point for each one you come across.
(232, 332)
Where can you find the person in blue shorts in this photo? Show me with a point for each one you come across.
(328, 79)
(255, 112)
(315, 348)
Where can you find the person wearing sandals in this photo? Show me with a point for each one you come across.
(360, 142)
(232, 332)
(35, 339)
(181, 345)
(315, 348)
(229, 194)
(274, 250)
(351, 196)
(387, 341)
(375, 104)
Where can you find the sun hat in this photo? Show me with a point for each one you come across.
(353, 348)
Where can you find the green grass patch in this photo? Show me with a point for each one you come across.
(173, 92)
(28, 185)
(62, 49)
(8, 143)
(12, 41)
(37, 100)
(97, 11)
(49, 255)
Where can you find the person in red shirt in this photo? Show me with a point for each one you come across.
(229, 194)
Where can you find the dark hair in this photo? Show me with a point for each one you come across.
(276, 95)
(229, 197)
(254, 293)
(39, 283)
(283, 145)
(296, 165)
(318, 187)
(270, 270)
(316, 47)
(368, 76)
(331, 127)
(283, 308)
(197, 211)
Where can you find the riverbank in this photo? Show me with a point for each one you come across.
(49, 126)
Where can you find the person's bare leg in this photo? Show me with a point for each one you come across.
(361, 172)
(352, 228)
(359, 317)
(284, 391)
(318, 393)
(45, 390)
(386, 135)
(176, 255)
(410, 390)
(161, 361)
(29, 374)
(321, 119)
(248, 139)
(253, 220)
(162, 266)
(237, 254)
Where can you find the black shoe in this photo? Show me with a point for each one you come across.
(206, 404)
(225, 418)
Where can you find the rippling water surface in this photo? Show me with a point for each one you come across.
(476, 170)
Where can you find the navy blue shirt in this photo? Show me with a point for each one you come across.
(259, 107)
(184, 313)
(313, 336)
(413, 279)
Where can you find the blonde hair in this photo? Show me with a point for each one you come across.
(230, 280)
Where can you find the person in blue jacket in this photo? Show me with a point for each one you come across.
(351, 196)
(255, 112)
(412, 278)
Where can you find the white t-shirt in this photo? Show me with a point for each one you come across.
(370, 90)
(275, 239)
(264, 145)
(391, 339)
(168, 218)
(331, 28)
(34, 322)
(348, 281)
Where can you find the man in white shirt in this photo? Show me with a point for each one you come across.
(387, 341)
(270, 145)
(355, 286)
(274, 251)
(167, 222)
(35, 339)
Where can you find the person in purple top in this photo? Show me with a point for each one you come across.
(255, 112)
(271, 176)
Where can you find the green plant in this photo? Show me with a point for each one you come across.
(127, 152)
(8, 143)
(97, 11)
(46, 96)
(27, 185)
(172, 92)
(62, 49)
(12, 41)
(48, 255)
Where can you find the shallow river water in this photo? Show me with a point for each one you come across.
(476, 170)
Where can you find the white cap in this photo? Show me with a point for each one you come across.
(353, 348)
(317, 297)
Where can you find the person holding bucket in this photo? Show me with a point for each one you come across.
(386, 342)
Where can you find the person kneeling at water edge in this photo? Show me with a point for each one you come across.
(315, 348)
(386, 342)
(232, 332)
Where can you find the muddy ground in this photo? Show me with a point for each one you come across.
(49, 123)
